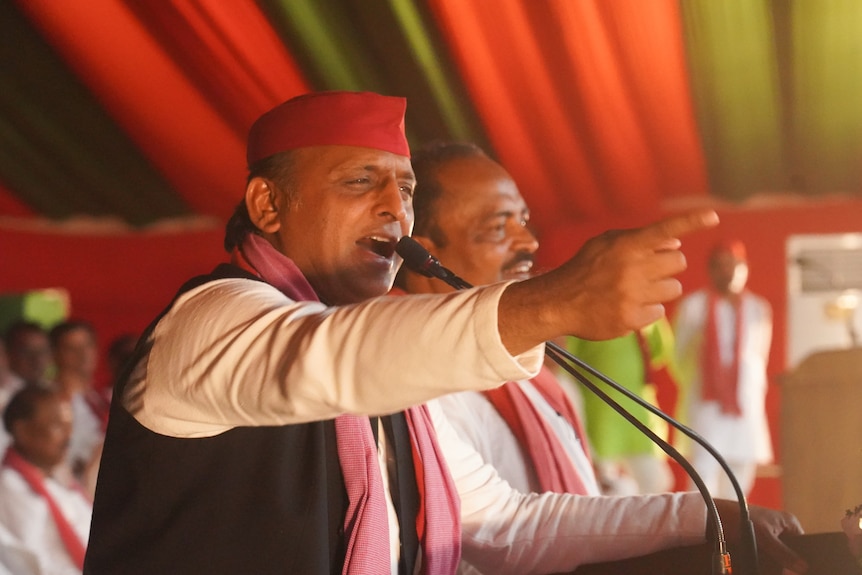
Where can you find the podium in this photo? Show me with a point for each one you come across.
(825, 553)
(821, 438)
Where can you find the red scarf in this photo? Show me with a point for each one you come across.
(35, 478)
(366, 522)
(721, 380)
(552, 463)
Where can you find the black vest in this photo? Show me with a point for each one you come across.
(255, 500)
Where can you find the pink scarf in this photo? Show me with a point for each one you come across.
(366, 522)
(720, 380)
(35, 478)
(552, 463)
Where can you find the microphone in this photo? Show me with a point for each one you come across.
(421, 261)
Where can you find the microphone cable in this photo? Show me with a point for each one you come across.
(749, 540)
(418, 259)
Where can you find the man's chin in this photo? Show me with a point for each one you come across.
(366, 290)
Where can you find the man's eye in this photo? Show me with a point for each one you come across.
(495, 233)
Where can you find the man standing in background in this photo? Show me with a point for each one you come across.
(723, 334)
(470, 214)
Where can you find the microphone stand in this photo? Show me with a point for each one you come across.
(421, 261)
(749, 541)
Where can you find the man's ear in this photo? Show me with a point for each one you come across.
(262, 204)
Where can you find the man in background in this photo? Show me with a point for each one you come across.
(723, 334)
(44, 521)
(470, 215)
(76, 357)
(29, 351)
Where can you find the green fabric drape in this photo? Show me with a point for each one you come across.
(736, 87)
(60, 151)
(777, 87)
(827, 95)
(385, 46)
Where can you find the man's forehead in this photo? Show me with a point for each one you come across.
(337, 158)
(487, 197)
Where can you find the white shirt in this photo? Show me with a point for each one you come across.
(87, 433)
(30, 542)
(238, 352)
(507, 532)
(739, 439)
(478, 423)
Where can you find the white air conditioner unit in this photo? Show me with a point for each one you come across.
(824, 294)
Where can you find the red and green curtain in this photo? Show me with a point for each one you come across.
(138, 109)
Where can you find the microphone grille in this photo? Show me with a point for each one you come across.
(414, 255)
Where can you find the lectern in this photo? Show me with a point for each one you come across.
(821, 438)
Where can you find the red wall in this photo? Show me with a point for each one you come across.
(119, 281)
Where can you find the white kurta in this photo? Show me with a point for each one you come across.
(87, 434)
(478, 423)
(742, 438)
(30, 542)
(237, 352)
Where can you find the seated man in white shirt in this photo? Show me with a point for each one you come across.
(44, 524)
(76, 357)
(470, 215)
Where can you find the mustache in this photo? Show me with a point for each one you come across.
(519, 257)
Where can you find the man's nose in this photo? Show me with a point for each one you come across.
(393, 202)
(525, 241)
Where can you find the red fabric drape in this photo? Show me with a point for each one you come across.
(228, 49)
(614, 122)
(11, 206)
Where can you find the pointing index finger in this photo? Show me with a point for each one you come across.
(666, 232)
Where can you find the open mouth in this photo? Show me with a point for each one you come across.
(520, 268)
(382, 246)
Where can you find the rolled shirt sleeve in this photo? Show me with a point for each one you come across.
(237, 352)
(505, 531)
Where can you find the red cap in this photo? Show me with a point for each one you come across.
(331, 118)
(733, 247)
